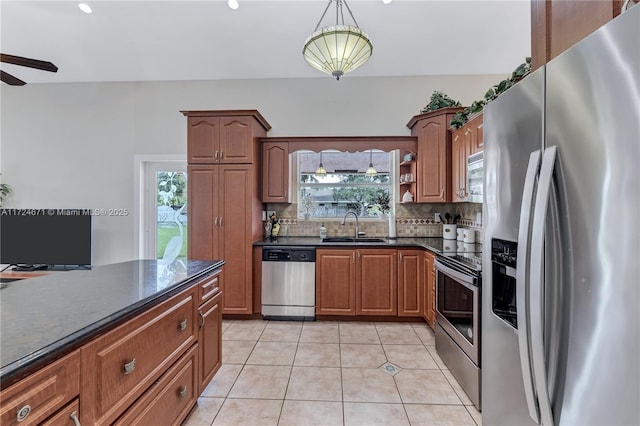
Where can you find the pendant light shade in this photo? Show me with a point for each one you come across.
(339, 48)
(371, 171)
(321, 171)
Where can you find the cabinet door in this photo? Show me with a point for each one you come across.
(236, 143)
(429, 289)
(477, 126)
(458, 164)
(335, 282)
(376, 282)
(203, 142)
(275, 172)
(210, 340)
(67, 416)
(235, 236)
(410, 283)
(203, 212)
(434, 155)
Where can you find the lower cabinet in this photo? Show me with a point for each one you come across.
(356, 282)
(42, 394)
(170, 398)
(429, 288)
(209, 338)
(66, 416)
(410, 283)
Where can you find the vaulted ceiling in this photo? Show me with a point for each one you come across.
(205, 40)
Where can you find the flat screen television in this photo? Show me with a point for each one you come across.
(39, 237)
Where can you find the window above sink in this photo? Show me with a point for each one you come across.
(345, 186)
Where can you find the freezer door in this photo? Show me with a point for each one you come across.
(513, 129)
(592, 234)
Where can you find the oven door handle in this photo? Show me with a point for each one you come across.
(522, 284)
(462, 278)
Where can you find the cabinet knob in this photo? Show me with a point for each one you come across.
(23, 413)
(183, 392)
(183, 325)
(129, 367)
(74, 418)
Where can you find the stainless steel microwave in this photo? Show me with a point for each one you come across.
(475, 182)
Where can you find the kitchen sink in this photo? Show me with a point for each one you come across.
(353, 240)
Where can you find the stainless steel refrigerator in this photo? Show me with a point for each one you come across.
(561, 254)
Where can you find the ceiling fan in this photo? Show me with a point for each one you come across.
(24, 62)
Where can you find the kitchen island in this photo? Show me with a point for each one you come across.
(97, 322)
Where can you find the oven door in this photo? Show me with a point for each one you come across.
(458, 308)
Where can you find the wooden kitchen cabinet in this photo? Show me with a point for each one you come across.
(356, 282)
(335, 282)
(434, 155)
(557, 25)
(376, 282)
(226, 137)
(465, 141)
(429, 288)
(276, 177)
(209, 339)
(67, 416)
(225, 210)
(410, 283)
(408, 176)
(38, 396)
(119, 366)
(170, 399)
(224, 221)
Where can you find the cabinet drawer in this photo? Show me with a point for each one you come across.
(209, 286)
(68, 416)
(119, 366)
(41, 394)
(170, 399)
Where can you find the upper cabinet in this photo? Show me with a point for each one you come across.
(275, 172)
(434, 155)
(557, 25)
(225, 137)
(465, 141)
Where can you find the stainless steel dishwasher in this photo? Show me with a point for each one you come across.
(289, 283)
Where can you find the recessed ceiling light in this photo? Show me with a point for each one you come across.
(233, 4)
(84, 7)
(386, 1)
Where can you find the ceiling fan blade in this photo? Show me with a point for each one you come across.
(28, 62)
(11, 80)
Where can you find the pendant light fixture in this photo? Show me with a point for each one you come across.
(321, 171)
(339, 48)
(371, 171)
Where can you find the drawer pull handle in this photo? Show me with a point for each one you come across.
(201, 319)
(74, 418)
(23, 413)
(183, 392)
(183, 325)
(129, 366)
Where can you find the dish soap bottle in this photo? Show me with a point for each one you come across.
(323, 231)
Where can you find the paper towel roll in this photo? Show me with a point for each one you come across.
(392, 226)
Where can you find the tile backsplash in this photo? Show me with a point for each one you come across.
(412, 220)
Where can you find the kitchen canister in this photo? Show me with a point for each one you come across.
(460, 234)
(449, 231)
(449, 247)
(469, 236)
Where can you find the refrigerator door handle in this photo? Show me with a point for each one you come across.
(522, 284)
(536, 287)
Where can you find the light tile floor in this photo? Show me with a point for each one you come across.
(331, 373)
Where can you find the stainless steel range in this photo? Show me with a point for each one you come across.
(458, 300)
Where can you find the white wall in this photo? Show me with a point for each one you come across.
(73, 145)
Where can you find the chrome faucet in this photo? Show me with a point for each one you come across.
(344, 219)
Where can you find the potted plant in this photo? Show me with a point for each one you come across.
(439, 100)
(5, 191)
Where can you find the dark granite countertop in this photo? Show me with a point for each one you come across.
(46, 317)
(436, 245)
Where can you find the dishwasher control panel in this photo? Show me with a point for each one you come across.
(288, 254)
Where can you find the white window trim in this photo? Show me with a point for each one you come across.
(141, 173)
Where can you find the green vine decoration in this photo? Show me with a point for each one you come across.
(439, 100)
(461, 117)
(5, 191)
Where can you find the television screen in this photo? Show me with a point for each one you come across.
(45, 236)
